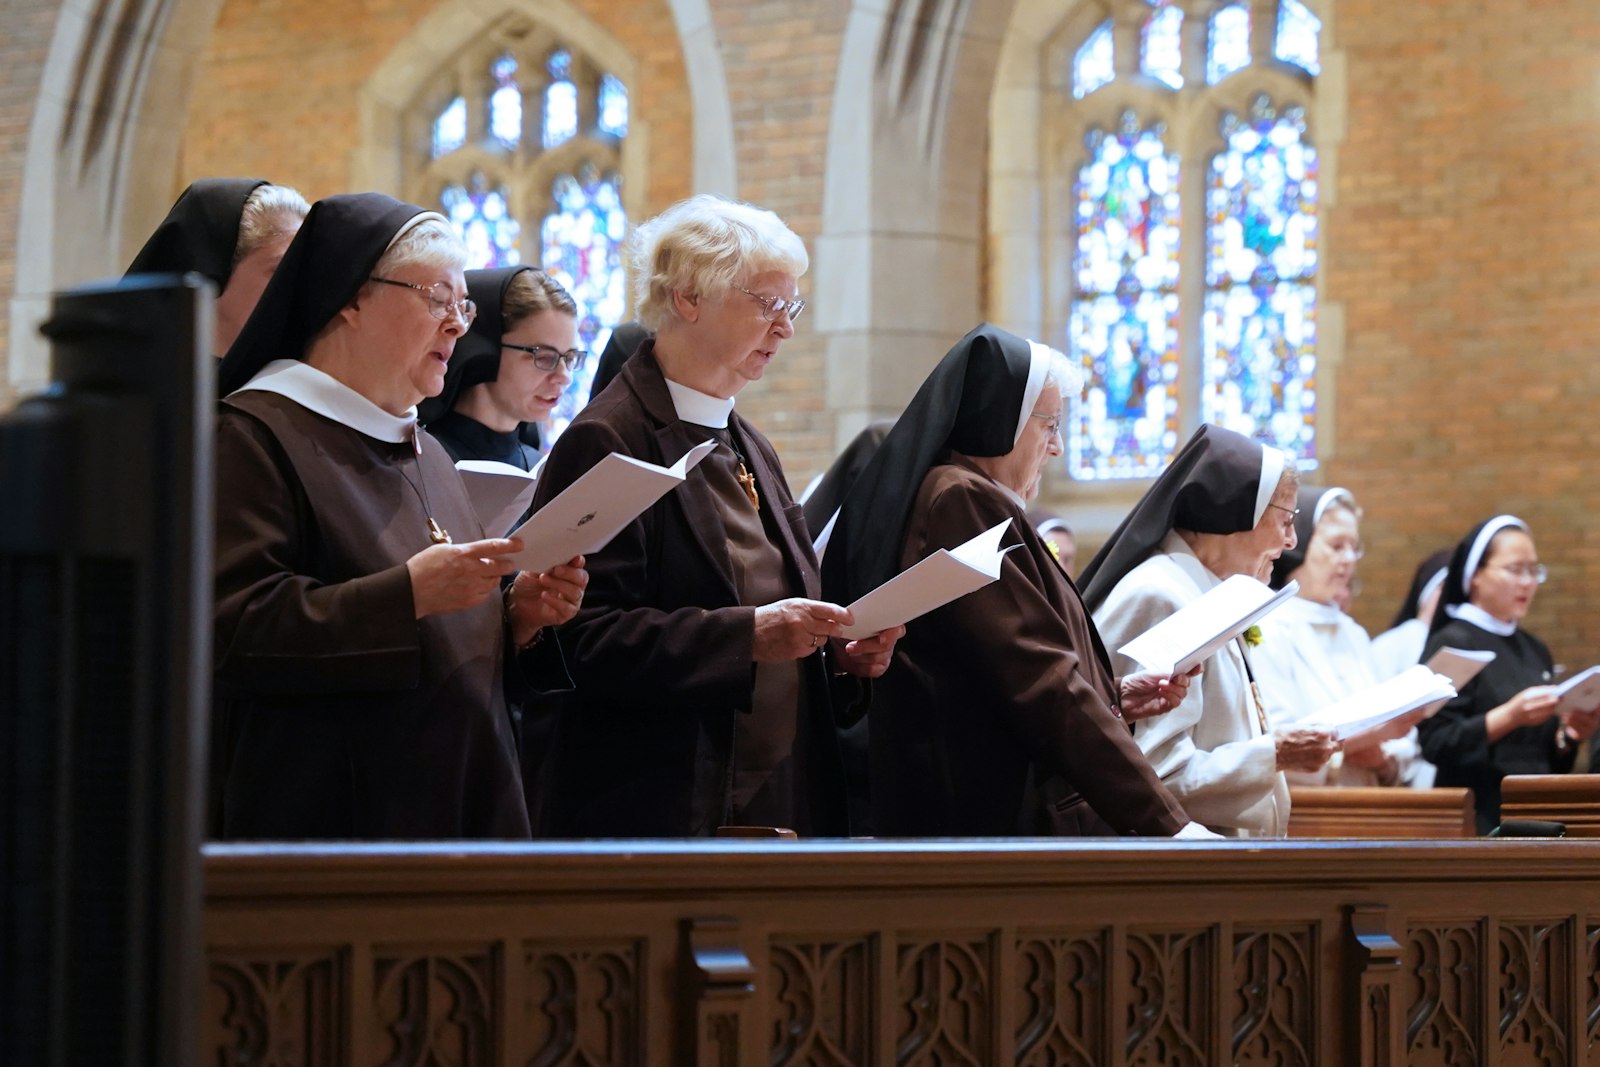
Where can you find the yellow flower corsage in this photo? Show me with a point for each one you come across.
(1252, 636)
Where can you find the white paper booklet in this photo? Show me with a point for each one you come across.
(1581, 692)
(587, 514)
(1460, 665)
(1194, 633)
(1416, 692)
(500, 493)
(932, 583)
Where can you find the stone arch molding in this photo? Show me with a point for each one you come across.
(104, 143)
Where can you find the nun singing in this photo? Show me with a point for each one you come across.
(1000, 715)
(1224, 506)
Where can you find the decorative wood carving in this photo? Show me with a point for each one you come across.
(1571, 799)
(717, 984)
(1275, 997)
(583, 1003)
(276, 1012)
(1445, 978)
(822, 995)
(1061, 1001)
(945, 1003)
(1170, 995)
(1372, 812)
(433, 1008)
(1535, 986)
(1379, 957)
(1591, 1000)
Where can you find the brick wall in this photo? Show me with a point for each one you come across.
(1465, 248)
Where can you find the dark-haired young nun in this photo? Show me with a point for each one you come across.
(1401, 645)
(231, 230)
(1224, 506)
(360, 632)
(1001, 715)
(1504, 721)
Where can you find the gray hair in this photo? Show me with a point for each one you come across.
(703, 245)
(429, 241)
(270, 211)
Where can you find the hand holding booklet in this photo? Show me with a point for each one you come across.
(587, 514)
(1581, 692)
(499, 492)
(934, 582)
(1386, 710)
(1194, 633)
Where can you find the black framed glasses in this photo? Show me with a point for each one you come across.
(441, 299)
(773, 307)
(546, 358)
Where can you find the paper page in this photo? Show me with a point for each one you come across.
(587, 514)
(499, 492)
(1415, 690)
(931, 583)
(1581, 692)
(1194, 633)
(1459, 665)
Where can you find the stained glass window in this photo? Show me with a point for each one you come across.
(1124, 328)
(560, 101)
(1091, 67)
(613, 106)
(582, 249)
(1297, 36)
(1161, 54)
(1259, 343)
(1228, 42)
(505, 103)
(450, 128)
(482, 217)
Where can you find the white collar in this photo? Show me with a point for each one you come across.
(1481, 619)
(1317, 613)
(325, 395)
(702, 409)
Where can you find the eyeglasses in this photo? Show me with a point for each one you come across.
(1052, 423)
(1523, 572)
(441, 300)
(1351, 551)
(547, 358)
(1293, 513)
(773, 307)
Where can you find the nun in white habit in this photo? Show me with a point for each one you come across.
(1225, 506)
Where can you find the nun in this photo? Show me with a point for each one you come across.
(1506, 720)
(363, 647)
(1400, 646)
(1224, 506)
(509, 370)
(821, 499)
(1312, 654)
(1000, 715)
(233, 231)
(620, 347)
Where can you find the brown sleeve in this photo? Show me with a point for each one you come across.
(1022, 647)
(279, 631)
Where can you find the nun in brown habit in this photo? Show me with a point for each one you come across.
(1000, 714)
(363, 648)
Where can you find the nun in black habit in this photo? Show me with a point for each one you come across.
(1224, 506)
(509, 370)
(360, 634)
(1000, 715)
(822, 498)
(620, 347)
(1401, 645)
(233, 231)
(1506, 720)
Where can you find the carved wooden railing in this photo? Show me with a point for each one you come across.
(1327, 811)
(1573, 799)
(1465, 953)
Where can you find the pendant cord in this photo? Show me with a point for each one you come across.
(436, 533)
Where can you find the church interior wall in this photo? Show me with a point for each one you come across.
(1462, 240)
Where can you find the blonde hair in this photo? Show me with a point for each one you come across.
(530, 292)
(430, 241)
(703, 245)
(270, 211)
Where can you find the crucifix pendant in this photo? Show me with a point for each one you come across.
(748, 482)
(436, 533)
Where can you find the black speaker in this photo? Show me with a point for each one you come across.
(105, 647)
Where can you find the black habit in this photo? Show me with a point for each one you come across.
(200, 232)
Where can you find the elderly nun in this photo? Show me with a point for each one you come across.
(1001, 715)
(1224, 506)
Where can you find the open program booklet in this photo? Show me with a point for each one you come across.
(1386, 710)
(1194, 633)
(499, 492)
(1581, 692)
(587, 514)
(932, 583)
